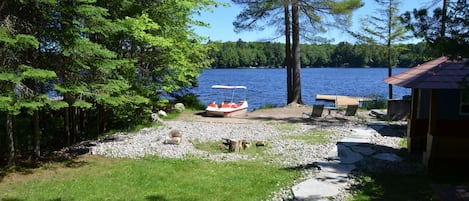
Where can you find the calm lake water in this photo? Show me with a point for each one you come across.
(268, 86)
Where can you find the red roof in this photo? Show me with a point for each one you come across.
(440, 73)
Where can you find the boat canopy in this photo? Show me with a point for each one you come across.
(228, 87)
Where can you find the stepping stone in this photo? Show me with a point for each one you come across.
(313, 189)
(363, 150)
(338, 179)
(347, 156)
(335, 167)
(388, 157)
(334, 173)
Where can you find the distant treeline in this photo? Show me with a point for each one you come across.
(268, 54)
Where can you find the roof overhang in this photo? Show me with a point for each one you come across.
(440, 73)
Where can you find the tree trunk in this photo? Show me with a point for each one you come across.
(444, 10)
(444, 17)
(67, 126)
(296, 55)
(389, 47)
(76, 124)
(36, 135)
(11, 141)
(288, 55)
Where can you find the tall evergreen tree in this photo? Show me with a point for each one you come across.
(16, 70)
(385, 28)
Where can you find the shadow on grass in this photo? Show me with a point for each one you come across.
(162, 198)
(12, 199)
(373, 186)
(28, 166)
(155, 198)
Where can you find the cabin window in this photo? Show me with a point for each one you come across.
(464, 108)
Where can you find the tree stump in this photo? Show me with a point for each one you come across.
(235, 145)
(246, 144)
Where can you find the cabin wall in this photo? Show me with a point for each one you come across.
(417, 124)
(447, 144)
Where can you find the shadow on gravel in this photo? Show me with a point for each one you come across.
(390, 130)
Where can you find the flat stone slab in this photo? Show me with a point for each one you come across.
(348, 156)
(335, 167)
(338, 179)
(388, 157)
(313, 189)
(367, 151)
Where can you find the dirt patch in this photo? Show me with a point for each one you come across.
(287, 114)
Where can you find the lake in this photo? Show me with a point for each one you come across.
(268, 85)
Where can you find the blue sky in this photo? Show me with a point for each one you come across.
(221, 23)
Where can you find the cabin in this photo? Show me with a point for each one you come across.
(438, 124)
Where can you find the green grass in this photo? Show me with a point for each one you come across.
(287, 127)
(98, 178)
(403, 142)
(314, 136)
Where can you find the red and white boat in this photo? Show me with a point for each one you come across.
(228, 107)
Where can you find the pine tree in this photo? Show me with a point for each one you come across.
(385, 28)
(316, 13)
(15, 96)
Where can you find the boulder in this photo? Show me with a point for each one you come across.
(173, 140)
(162, 113)
(175, 133)
(155, 117)
(179, 107)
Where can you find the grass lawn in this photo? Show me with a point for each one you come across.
(99, 178)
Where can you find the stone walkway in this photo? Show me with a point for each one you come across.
(332, 177)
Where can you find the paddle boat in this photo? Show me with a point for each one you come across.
(228, 107)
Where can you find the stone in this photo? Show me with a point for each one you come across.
(162, 113)
(175, 133)
(179, 107)
(313, 189)
(348, 156)
(363, 150)
(174, 140)
(388, 157)
(155, 117)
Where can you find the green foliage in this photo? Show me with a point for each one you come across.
(403, 143)
(190, 101)
(444, 32)
(266, 106)
(377, 103)
(246, 54)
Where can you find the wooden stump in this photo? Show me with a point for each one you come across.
(235, 145)
(246, 144)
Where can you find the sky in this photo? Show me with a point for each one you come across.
(221, 23)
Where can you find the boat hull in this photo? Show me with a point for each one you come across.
(215, 113)
(213, 110)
